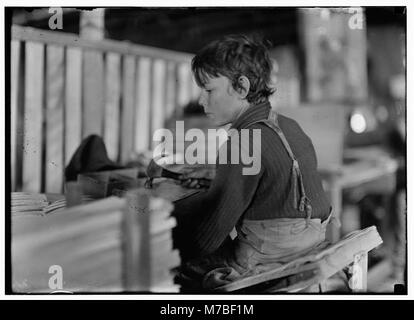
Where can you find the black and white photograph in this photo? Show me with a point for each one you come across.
(206, 150)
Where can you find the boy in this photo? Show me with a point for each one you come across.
(280, 212)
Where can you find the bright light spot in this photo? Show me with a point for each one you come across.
(358, 123)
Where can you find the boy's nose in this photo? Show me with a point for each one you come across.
(202, 101)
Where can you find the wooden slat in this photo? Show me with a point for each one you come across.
(195, 90)
(93, 95)
(112, 104)
(73, 101)
(92, 24)
(158, 96)
(184, 85)
(32, 148)
(143, 97)
(105, 45)
(128, 101)
(170, 90)
(54, 118)
(14, 96)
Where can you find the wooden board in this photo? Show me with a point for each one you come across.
(112, 104)
(158, 97)
(93, 93)
(128, 112)
(33, 118)
(195, 90)
(73, 102)
(146, 219)
(184, 85)
(103, 45)
(14, 106)
(54, 166)
(170, 91)
(143, 104)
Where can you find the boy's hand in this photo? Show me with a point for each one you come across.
(197, 178)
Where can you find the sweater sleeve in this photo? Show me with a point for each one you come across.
(217, 210)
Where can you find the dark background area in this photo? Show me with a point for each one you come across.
(188, 29)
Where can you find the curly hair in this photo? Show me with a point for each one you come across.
(232, 57)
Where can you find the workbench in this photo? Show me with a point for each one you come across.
(364, 170)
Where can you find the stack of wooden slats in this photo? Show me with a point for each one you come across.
(85, 242)
(38, 204)
(109, 245)
(25, 203)
(61, 204)
(151, 237)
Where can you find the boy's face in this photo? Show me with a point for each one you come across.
(220, 101)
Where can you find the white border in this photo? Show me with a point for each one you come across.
(179, 3)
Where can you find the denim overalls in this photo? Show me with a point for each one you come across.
(262, 245)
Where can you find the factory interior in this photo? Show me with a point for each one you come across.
(89, 88)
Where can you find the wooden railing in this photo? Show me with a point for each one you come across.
(64, 87)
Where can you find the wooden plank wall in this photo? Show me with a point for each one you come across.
(64, 88)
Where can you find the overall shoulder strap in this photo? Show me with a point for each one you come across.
(296, 176)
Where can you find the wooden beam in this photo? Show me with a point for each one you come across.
(143, 105)
(55, 68)
(93, 94)
(128, 112)
(358, 281)
(184, 84)
(92, 29)
(14, 106)
(106, 45)
(33, 118)
(112, 104)
(158, 96)
(92, 24)
(170, 90)
(73, 102)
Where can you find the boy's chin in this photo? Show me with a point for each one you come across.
(219, 122)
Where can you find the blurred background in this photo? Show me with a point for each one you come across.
(122, 73)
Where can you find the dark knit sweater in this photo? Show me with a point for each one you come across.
(267, 195)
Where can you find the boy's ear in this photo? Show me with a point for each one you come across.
(244, 88)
